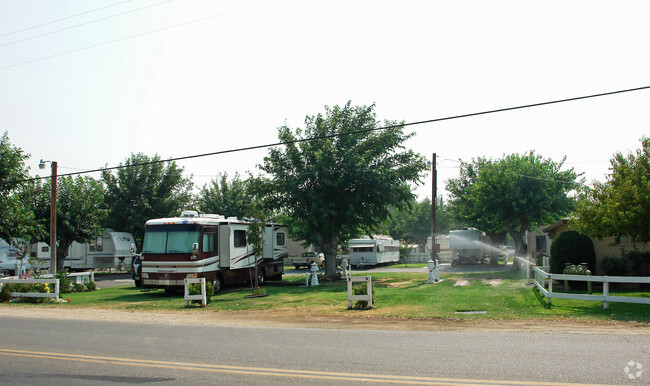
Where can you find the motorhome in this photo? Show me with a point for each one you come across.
(210, 246)
(373, 251)
(110, 250)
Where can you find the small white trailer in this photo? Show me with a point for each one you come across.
(373, 251)
(110, 250)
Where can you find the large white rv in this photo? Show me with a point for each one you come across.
(373, 251)
(108, 250)
(209, 246)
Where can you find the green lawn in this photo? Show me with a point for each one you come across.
(502, 295)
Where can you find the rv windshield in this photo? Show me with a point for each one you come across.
(170, 238)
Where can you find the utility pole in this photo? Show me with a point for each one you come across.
(53, 221)
(41, 165)
(434, 192)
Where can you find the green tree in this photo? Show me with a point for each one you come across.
(225, 197)
(410, 224)
(142, 189)
(18, 224)
(255, 239)
(512, 194)
(621, 205)
(337, 178)
(80, 211)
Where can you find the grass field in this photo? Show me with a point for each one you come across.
(502, 295)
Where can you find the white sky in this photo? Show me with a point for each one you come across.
(248, 67)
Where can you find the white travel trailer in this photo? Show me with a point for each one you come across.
(110, 250)
(209, 246)
(373, 251)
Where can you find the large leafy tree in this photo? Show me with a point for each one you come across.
(621, 205)
(80, 211)
(18, 224)
(143, 188)
(224, 196)
(512, 194)
(337, 178)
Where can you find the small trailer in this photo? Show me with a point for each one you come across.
(373, 251)
(110, 250)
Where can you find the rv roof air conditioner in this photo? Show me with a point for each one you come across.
(189, 213)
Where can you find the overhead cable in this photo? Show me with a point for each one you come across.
(255, 147)
(64, 18)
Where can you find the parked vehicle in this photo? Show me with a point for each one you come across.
(306, 258)
(373, 251)
(209, 246)
(9, 263)
(110, 250)
(136, 270)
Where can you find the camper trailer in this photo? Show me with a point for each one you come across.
(373, 251)
(110, 250)
(467, 246)
(209, 246)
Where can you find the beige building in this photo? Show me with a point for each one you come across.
(539, 243)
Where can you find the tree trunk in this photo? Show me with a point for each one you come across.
(329, 249)
(61, 254)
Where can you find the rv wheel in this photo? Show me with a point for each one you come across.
(217, 283)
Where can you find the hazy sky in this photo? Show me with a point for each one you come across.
(177, 78)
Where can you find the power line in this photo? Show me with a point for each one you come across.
(137, 35)
(82, 24)
(64, 18)
(256, 147)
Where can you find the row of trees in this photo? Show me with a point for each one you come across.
(344, 175)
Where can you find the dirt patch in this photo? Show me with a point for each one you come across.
(398, 284)
(458, 282)
(292, 318)
(492, 282)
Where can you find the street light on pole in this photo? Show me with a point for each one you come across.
(41, 166)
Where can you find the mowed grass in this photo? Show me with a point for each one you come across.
(501, 295)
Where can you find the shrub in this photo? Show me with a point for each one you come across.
(78, 287)
(195, 289)
(573, 248)
(362, 289)
(91, 286)
(24, 287)
(614, 266)
(639, 263)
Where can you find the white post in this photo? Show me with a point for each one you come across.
(314, 274)
(605, 292)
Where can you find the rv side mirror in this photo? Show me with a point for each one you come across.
(195, 248)
(132, 249)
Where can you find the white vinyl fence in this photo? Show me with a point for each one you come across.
(54, 294)
(544, 282)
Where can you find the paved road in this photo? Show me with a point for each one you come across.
(52, 352)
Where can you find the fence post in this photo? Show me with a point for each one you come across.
(186, 295)
(550, 290)
(605, 292)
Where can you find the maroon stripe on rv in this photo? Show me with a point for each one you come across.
(243, 257)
